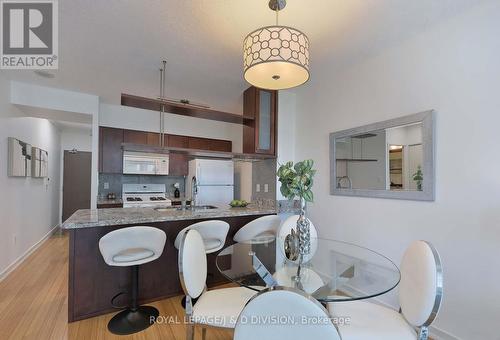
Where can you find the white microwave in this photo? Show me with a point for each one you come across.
(139, 163)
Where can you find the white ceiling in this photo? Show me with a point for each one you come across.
(111, 46)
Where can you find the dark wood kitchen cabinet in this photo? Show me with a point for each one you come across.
(153, 138)
(261, 134)
(176, 141)
(141, 137)
(221, 145)
(200, 143)
(110, 150)
(178, 163)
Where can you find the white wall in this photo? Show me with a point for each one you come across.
(146, 120)
(80, 139)
(61, 105)
(454, 68)
(29, 207)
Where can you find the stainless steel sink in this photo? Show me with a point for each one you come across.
(171, 208)
(203, 207)
(195, 208)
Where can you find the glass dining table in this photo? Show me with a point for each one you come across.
(333, 270)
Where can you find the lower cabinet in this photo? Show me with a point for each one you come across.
(92, 283)
(109, 205)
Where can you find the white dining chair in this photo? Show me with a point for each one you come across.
(213, 232)
(420, 294)
(263, 228)
(213, 308)
(285, 229)
(280, 313)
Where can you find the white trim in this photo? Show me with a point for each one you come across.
(10, 268)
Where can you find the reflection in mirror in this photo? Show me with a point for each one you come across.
(405, 155)
(391, 159)
(361, 161)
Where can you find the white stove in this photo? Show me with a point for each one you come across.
(145, 196)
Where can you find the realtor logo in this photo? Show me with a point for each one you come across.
(29, 34)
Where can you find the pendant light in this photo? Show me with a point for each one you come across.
(276, 57)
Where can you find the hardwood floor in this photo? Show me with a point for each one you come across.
(34, 304)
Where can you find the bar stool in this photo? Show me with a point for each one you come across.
(261, 230)
(213, 232)
(131, 247)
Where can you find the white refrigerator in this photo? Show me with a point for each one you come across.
(214, 181)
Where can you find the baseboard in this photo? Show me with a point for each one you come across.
(439, 334)
(27, 253)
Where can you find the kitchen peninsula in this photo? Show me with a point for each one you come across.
(92, 283)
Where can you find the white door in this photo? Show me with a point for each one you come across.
(214, 172)
(220, 195)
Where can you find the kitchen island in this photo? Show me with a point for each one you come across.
(92, 283)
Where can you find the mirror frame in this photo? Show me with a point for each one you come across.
(427, 119)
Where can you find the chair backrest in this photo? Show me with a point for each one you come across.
(291, 223)
(192, 263)
(421, 286)
(213, 233)
(138, 237)
(262, 225)
(284, 314)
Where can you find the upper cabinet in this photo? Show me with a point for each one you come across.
(110, 150)
(209, 144)
(141, 137)
(176, 141)
(260, 134)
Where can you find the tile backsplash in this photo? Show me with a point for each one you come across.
(115, 181)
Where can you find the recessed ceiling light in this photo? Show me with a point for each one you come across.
(44, 74)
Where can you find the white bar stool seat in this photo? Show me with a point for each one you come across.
(263, 228)
(131, 247)
(213, 233)
(133, 255)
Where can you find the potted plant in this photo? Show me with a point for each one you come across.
(296, 182)
(419, 177)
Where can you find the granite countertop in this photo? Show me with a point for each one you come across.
(87, 218)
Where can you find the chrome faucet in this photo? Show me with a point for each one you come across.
(194, 191)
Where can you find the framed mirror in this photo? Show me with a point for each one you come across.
(389, 159)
